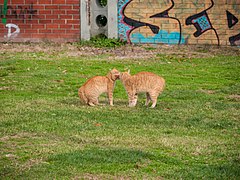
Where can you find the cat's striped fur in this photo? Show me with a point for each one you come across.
(94, 87)
(147, 82)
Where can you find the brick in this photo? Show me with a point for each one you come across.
(76, 7)
(76, 26)
(207, 41)
(25, 35)
(52, 26)
(59, 12)
(44, 1)
(29, 21)
(66, 26)
(38, 7)
(45, 21)
(76, 17)
(29, 2)
(52, 17)
(73, 21)
(42, 17)
(16, 2)
(37, 35)
(59, 31)
(72, 31)
(65, 7)
(67, 36)
(45, 11)
(38, 26)
(59, 1)
(72, 1)
(59, 21)
(66, 17)
(25, 26)
(73, 12)
(45, 31)
(30, 31)
(52, 35)
(51, 7)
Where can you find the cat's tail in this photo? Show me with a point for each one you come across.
(82, 96)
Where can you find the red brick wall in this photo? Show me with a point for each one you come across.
(41, 20)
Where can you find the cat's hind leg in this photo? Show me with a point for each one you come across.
(82, 96)
(96, 102)
(148, 99)
(135, 99)
(153, 97)
(93, 101)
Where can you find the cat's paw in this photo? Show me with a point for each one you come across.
(91, 104)
(131, 105)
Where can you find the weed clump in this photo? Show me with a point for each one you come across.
(101, 41)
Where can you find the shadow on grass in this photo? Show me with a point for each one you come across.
(97, 160)
(96, 155)
(76, 102)
(228, 170)
(71, 101)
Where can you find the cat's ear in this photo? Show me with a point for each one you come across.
(129, 71)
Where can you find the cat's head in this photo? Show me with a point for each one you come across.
(115, 74)
(125, 75)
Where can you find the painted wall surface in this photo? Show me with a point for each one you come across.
(139, 21)
(180, 21)
(38, 20)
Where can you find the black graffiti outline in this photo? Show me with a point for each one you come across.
(232, 21)
(234, 39)
(136, 24)
(200, 31)
(23, 12)
(165, 14)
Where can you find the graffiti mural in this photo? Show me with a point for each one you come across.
(19, 12)
(201, 22)
(175, 22)
(12, 34)
(232, 21)
(132, 24)
(15, 13)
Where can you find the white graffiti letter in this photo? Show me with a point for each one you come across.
(15, 33)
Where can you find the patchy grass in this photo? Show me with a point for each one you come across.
(46, 133)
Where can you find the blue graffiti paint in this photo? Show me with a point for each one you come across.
(122, 27)
(163, 37)
(203, 22)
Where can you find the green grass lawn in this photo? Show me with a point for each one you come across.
(46, 133)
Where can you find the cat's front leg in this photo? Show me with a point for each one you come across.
(131, 100)
(110, 98)
(110, 93)
(148, 99)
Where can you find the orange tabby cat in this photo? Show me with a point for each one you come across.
(147, 82)
(94, 87)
